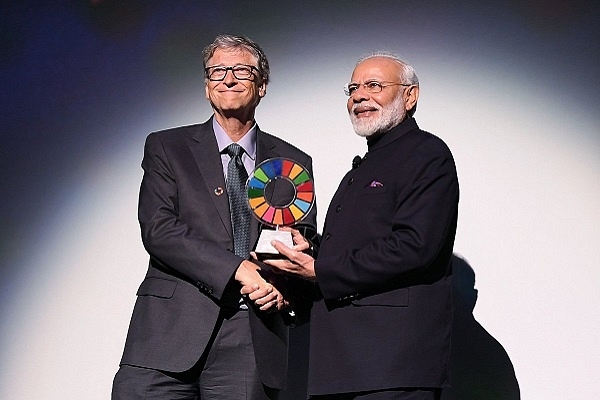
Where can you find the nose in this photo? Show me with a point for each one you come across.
(229, 78)
(360, 94)
(357, 97)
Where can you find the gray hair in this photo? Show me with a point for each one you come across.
(407, 72)
(230, 42)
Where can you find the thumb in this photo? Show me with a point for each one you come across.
(281, 247)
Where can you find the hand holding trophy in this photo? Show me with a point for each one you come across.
(280, 193)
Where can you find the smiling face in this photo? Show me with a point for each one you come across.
(232, 97)
(372, 113)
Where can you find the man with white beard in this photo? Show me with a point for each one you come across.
(381, 323)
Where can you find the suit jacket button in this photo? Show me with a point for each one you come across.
(338, 208)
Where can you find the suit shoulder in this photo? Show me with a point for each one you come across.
(176, 136)
(175, 132)
(290, 148)
(427, 141)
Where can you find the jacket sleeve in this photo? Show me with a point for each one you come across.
(406, 242)
(187, 250)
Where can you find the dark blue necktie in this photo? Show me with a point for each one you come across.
(238, 200)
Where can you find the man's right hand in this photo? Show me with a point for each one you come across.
(262, 293)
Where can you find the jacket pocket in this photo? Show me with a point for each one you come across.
(394, 298)
(372, 191)
(157, 287)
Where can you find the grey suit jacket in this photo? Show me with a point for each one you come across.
(186, 229)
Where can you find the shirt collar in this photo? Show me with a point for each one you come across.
(248, 141)
(383, 139)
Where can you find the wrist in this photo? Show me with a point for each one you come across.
(245, 271)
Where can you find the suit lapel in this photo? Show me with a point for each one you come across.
(206, 154)
(265, 149)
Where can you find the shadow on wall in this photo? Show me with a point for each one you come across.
(480, 367)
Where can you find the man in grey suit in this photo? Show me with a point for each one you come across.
(209, 323)
(381, 329)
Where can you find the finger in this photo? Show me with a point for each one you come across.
(281, 266)
(249, 288)
(265, 299)
(260, 293)
(282, 249)
(301, 246)
(297, 236)
(271, 305)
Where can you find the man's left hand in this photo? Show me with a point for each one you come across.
(297, 262)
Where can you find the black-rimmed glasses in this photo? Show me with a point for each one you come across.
(370, 86)
(241, 71)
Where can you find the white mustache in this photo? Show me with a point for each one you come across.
(365, 105)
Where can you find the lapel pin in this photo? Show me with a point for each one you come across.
(219, 191)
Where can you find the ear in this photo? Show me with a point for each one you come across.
(412, 96)
(206, 89)
(262, 90)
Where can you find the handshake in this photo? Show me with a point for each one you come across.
(267, 293)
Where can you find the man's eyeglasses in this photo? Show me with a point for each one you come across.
(242, 72)
(370, 87)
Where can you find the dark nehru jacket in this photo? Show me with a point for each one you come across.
(384, 269)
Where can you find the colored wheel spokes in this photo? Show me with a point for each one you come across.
(299, 179)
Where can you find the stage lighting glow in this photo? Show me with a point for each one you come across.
(527, 153)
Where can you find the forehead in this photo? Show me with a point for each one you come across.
(232, 57)
(378, 68)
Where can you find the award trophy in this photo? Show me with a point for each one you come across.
(280, 193)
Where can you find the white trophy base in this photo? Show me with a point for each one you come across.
(264, 249)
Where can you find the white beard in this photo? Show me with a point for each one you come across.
(391, 115)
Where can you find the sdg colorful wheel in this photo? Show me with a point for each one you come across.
(280, 192)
